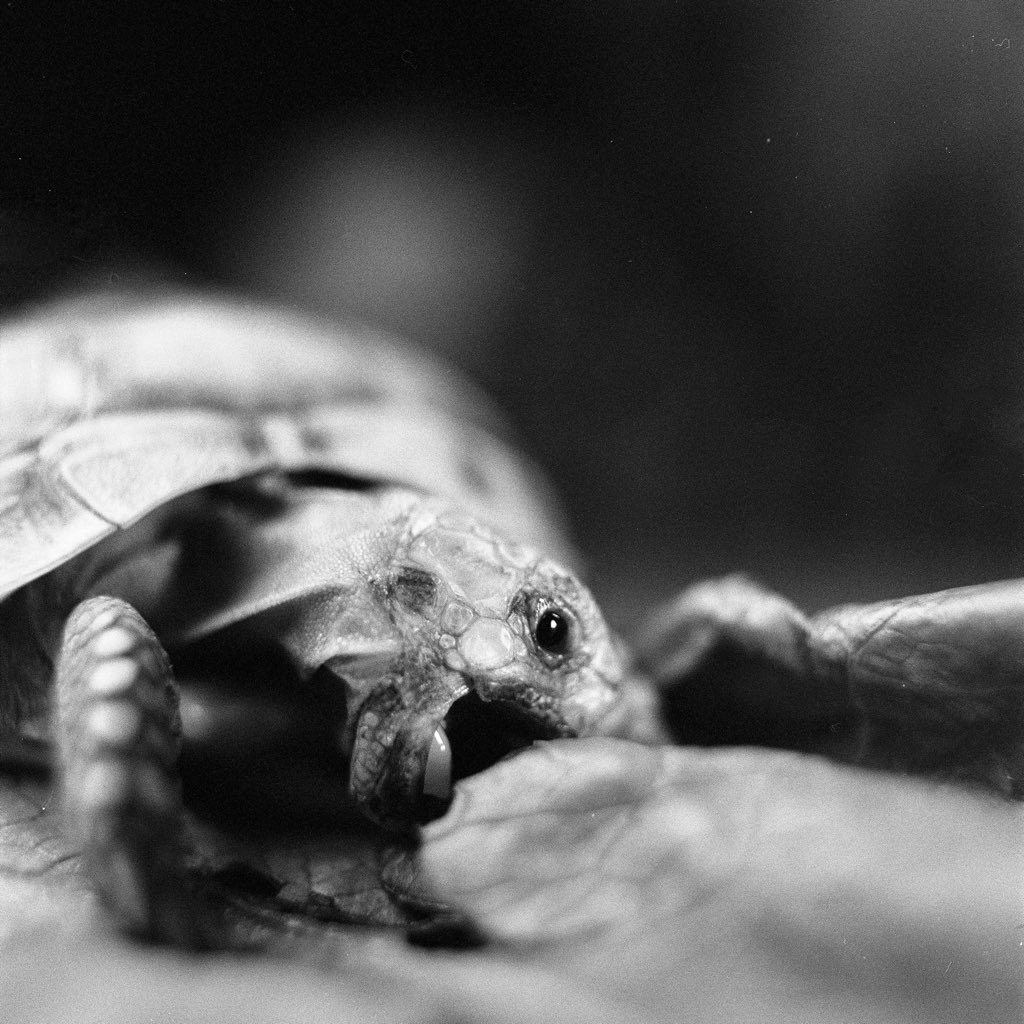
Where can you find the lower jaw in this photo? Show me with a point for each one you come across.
(415, 781)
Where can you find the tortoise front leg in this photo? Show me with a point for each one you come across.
(118, 735)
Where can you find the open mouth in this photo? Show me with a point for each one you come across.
(475, 735)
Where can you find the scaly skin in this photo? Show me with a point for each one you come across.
(465, 603)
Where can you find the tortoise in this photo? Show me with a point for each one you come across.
(199, 492)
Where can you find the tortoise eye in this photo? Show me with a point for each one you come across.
(551, 631)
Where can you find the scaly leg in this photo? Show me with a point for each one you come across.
(118, 735)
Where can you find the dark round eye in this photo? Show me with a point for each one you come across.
(552, 631)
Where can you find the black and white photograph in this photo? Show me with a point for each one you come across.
(512, 513)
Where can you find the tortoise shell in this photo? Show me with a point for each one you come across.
(110, 407)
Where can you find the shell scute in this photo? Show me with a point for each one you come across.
(123, 466)
(111, 407)
(42, 522)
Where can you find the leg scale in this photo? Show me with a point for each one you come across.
(118, 734)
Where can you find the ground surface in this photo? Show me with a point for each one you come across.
(613, 882)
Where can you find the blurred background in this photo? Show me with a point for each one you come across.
(747, 276)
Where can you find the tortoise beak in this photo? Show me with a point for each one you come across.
(406, 761)
(484, 732)
(474, 735)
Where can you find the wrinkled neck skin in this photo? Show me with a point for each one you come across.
(464, 605)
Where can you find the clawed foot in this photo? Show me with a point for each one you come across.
(118, 733)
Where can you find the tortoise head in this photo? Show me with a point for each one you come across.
(500, 647)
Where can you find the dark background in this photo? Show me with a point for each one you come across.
(748, 276)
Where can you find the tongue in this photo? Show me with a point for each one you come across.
(437, 776)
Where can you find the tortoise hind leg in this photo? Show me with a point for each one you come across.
(118, 734)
